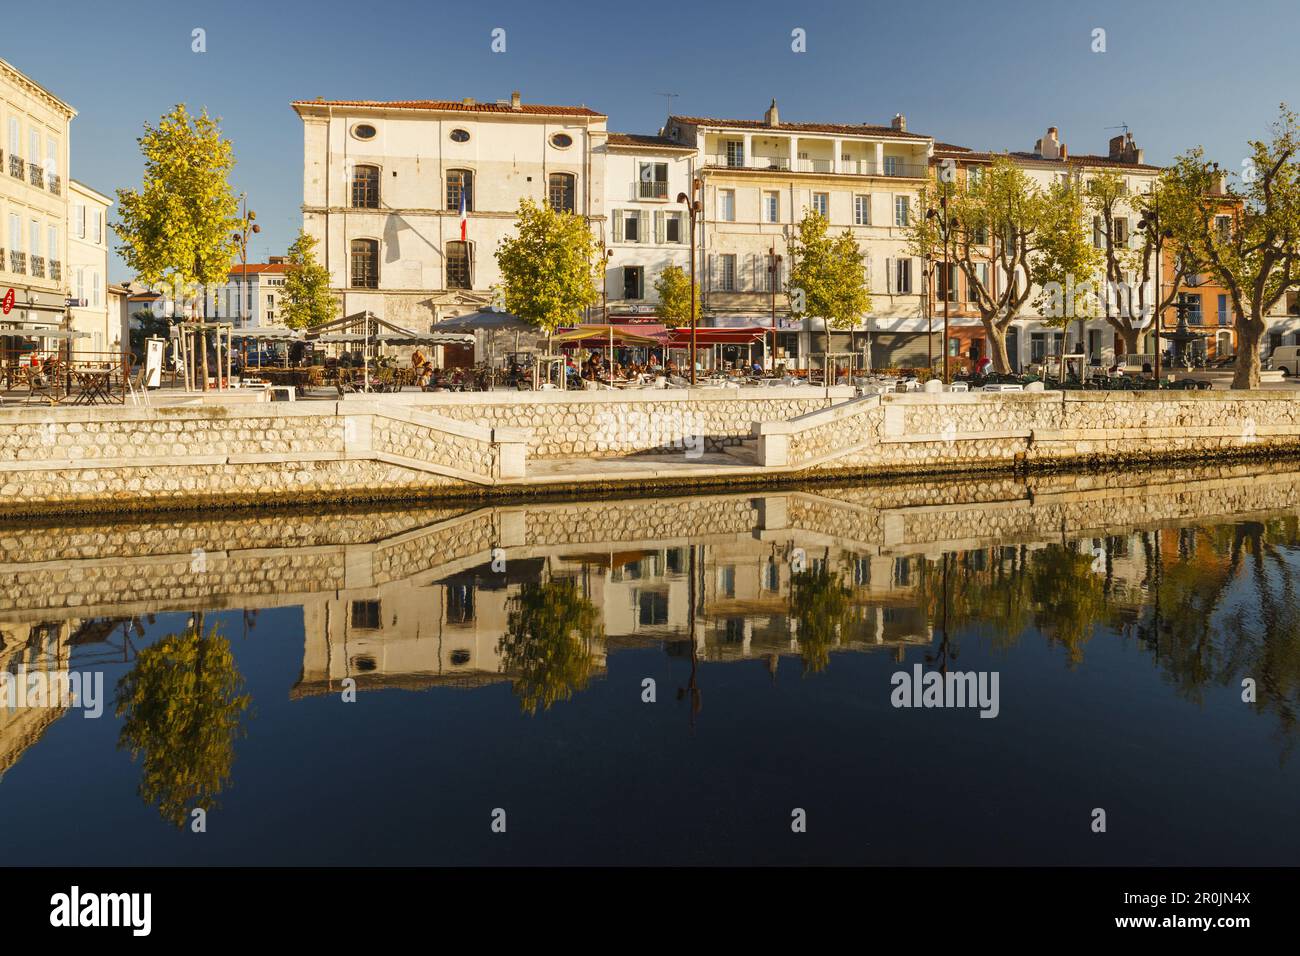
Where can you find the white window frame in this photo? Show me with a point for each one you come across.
(861, 209)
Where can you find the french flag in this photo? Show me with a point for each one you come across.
(464, 220)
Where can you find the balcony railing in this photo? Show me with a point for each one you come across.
(56, 184)
(854, 167)
(18, 262)
(38, 267)
(56, 269)
(652, 189)
(36, 175)
(16, 166)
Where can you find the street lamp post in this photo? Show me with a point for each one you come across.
(241, 239)
(774, 276)
(948, 225)
(693, 207)
(1150, 222)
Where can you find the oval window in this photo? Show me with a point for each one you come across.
(460, 136)
(363, 131)
(561, 140)
(460, 657)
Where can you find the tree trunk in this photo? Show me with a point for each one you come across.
(997, 339)
(1246, 374)
(1130, 339)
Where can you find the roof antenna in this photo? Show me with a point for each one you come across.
(668, 100)
(1123, 126)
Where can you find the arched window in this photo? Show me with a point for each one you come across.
(365, 187)
(460, 266)
(560, 192)
(460, 182)
(365, 263)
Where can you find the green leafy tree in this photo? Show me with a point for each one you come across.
(827, 276)
(673, 286)
(550, 632)
(549, 269)
(1067, 265)
(994, 220)
(177, 229)
(306, 300)
(1257, 257)
(181, 706)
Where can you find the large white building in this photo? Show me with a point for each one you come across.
(384, 185)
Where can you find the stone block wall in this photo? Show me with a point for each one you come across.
(616, 423)
(925, 433)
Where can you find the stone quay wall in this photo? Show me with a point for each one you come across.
(603, 424)
(924, 433)
(173, 456)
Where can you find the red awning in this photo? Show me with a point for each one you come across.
(681, 337)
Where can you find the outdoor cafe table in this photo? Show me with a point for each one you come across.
(92, 386)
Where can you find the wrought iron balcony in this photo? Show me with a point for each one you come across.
(56, 269)
(16, 166)
(56, 184)
(38, 267)
(18, 262)
(36, 175)
(652, 189)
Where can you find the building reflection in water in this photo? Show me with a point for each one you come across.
(540, 595)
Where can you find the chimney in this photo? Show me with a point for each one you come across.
(277, 260)
(515, 101)
(1124, 150)
(1050, 146)
(899, 123)
(772, 117)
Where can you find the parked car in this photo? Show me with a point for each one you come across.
(1286, 358)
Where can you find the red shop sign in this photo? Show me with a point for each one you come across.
(8, 301)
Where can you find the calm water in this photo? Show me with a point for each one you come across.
(500, 657)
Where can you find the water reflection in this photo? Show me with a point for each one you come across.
(180, 705)
(1196, 568)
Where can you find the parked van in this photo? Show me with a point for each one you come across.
(1286, 358)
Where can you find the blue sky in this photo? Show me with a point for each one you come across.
(992, 74)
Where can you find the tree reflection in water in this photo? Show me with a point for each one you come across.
(181, 706)
(820, 606)
(550, 630)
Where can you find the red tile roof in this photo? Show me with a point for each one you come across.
(455, 106)
(847, 129)
(255, 268)
(942, 150)
(651, 142)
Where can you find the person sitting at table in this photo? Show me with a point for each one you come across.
(424, 374)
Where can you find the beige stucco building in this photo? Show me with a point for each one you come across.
(87, 274)
(759, 177)
(33, 200)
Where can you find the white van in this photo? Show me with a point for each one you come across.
(1286, 358)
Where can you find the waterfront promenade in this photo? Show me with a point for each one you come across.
(472, 445)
